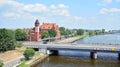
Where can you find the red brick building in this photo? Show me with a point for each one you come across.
(35, 32)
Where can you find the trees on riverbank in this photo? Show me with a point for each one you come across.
(29, 53)
(96, 32)
(73, 32)
(49, 33)
(20, 35)
(9, 38)
(80, 32)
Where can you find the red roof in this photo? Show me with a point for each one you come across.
(48, 25)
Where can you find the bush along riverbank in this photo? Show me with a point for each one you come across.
(38, 57)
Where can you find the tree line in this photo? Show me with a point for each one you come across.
(9, 38)
(49, 33)
(65, 32)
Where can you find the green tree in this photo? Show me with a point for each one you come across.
(7, 40)
(62, 31)
(29, 53)
(1, 64)
(91, 33)
(80, 32)
(45, 35)
(103, 30)
(20, 35)
(52, 33)
(68, 32)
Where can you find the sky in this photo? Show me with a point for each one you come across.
(85, 14)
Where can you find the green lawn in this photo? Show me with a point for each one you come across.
(23, 64)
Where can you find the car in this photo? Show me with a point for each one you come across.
(44, 42)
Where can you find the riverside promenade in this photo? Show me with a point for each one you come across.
(11, 58)
(71, 39)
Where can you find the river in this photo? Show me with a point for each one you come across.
(81, 59)
(113, 39)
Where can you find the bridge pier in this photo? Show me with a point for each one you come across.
(118, 56)
(49, 52)
(93, 55)
(43, 50)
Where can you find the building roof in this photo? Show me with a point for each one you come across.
(48, 26)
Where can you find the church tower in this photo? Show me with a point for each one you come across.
(37, 34)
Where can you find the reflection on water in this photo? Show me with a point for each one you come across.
(65, 61)
(82, 59)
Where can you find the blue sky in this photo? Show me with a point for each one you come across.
(86, 14)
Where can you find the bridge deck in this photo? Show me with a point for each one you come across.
(81, 47)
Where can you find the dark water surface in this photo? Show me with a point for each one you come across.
(65, 61)
(82, 59)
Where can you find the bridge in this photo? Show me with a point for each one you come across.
(53, 48)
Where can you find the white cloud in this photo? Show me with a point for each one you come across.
(104, 2)
(108, 11)
(64, 12)
(17, 7)
(103, 11)
(11, 14)
(60, 9)
(15, 15)
(112, 10)
(35, 8)
(3, 2)
(53, 6)
(107, 1)
(62, 6)
(78, 18)
(26, 7)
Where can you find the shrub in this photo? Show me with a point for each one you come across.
(29, 53)
(1, 64)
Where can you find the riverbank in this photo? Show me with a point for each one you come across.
(34, 60)
(11, 58)
(72, 39)
(38, 60)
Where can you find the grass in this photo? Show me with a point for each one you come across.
(37, 53)
(28, 63)
(23, 64)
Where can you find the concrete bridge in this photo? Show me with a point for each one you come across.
(52, 48)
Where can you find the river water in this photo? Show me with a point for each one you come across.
(113, 39)
(82, 59)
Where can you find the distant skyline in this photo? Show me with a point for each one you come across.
(85, 14)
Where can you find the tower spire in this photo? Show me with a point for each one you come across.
(37, 22)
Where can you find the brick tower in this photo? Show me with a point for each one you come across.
(37, 34)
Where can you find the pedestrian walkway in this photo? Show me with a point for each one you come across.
(10, 58)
